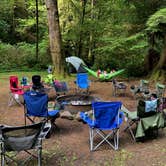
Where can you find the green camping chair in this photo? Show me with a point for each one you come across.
(141, 91)
(146, 118)
(160, 90)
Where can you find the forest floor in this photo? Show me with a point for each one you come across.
(69, 144)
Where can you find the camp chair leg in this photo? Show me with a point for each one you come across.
(18, 102)
(114, 91)
(91, 138)
(132, 134)
(2, 155)
(104, 138)
(11, 100)
(40, 154)
(116, 141)
(128, 127)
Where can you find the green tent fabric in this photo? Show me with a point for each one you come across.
(102, 76)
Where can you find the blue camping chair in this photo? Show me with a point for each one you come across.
(36, 105)
(106, 117)
(82, 82)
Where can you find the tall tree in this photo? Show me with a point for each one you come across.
(83, 5)
(54, 35)
(37, 31)
(156, 30)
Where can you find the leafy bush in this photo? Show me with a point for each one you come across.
(23, 56)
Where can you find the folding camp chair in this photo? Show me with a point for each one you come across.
(163, 107)
(163, 104)
(106, 117)
(22, 139)
(15, 91)
(82, 83)
(146, 111)
(144, 85)
(118, 87)
(160, 90)
(24, 81)
(61, 87)
(142, 90)
(36, 105)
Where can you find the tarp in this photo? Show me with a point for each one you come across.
(75, 61)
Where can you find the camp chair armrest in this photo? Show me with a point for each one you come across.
(121, 114)
(86, 119)
(120, 118)
(19, 88)
(44, 132)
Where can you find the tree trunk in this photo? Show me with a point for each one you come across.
(159, 72)
(151, 59)
(37, 31)
(54, 35)
(91, 34)
(83, 3)
(162, 62)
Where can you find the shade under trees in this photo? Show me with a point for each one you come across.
(106, 34)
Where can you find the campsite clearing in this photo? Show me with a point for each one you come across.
(69, 144)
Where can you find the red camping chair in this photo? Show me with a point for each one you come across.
(15, 91)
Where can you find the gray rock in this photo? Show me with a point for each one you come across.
(66, 115)
(77, 117)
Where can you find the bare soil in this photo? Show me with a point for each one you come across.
(69, 144)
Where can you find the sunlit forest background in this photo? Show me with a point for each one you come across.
(106, 34)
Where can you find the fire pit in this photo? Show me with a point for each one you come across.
(76, 100)
(76, 103)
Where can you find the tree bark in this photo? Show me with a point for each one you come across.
(54, 35)
(159, 72)
(91, 34)
(83, 4)
(151, 59)
(37, 31)
(162, 62)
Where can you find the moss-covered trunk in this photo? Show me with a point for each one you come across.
(159, 71)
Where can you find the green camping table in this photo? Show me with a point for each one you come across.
(155, 121)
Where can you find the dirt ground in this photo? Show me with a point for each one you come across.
(69, 144)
